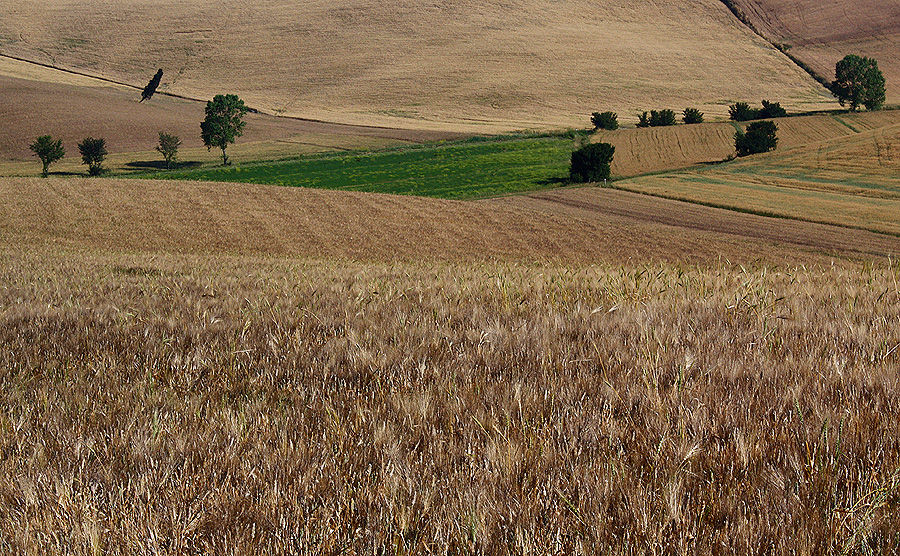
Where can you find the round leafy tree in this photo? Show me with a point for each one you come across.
(858, 81)
(760, 137)
(224, 122)
(93, 153)
(591, 162)
(48, 150)
(605, 120)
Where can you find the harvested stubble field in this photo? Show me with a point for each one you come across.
(821, 32)
(465, 66)
(182, 404)
(852, 180)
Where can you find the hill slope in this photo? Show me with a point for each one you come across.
(821, 32)
(463, 65)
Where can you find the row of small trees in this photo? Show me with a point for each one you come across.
(224, 122)
(610, 120)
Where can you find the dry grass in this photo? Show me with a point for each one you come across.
(645, 150)
(214, 218)
(852, 180)
(176, 404)
(821, 32)
(466, 65)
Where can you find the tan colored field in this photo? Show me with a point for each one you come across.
(646, 150)
(852, 180)
(186, 217)
(821, 32)
(464, 66)
(162, 404)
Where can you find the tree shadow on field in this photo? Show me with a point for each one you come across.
(555, 181)
(161, 165)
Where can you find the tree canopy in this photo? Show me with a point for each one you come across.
(224, 122)
(48, 150)
(858, 81)
(591, 162)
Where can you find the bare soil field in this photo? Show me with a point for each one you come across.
(186, 217)
(821, 32)
(462, 66)
(165, 404)
(80, 107)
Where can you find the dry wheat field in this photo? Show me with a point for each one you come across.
(184, 404)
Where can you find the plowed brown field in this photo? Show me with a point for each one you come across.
(821, 32)
(462, 65)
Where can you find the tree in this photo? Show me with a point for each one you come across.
(168, 147)
(760, 137)
(93, 153)
(643, 120)
(741, 112)
(771, 110)
(591, 162)
(692, 116)
(48, 150)
(151, 86)
(858, 81)
(662, 118)
(224, 122)
(605, 120)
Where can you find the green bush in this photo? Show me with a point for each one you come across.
(662, 118)
(760, 137)
(605, 120)
(643, 120)
(93, 153)
(741, 112)
(692, 116)
(591, 162)
(771, 110)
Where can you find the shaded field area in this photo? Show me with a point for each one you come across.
(459, 171)
(170, 404)
(852, 180)
(464, 66)
(216, 218)
(821, 32)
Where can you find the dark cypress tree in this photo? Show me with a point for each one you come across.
(151, 87)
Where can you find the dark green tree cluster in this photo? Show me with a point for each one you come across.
(591, 163)
(742, 112)
(858, 82)
(93, 153)
(657, 118)
(605, 120)
(760, 137)
(692, 116)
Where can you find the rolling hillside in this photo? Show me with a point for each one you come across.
(821, 32)
(464, 66)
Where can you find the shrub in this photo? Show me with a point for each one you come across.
(168, 147)
(48, 150)
(692, 116)
(858, 81)
(605, 120)
(760, 137)
(643, 120)
(662, 118)
(591, 162)
(771, 110)
(93, 153)
(741, 112)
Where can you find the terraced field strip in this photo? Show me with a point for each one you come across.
(464, 170)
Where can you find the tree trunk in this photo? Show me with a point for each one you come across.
(224, 157)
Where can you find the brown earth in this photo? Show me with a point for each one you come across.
(581, 224)
(463, 66)
(71, 112)
(821, 32)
